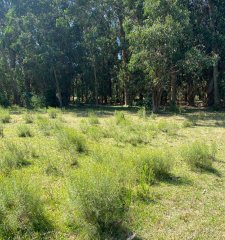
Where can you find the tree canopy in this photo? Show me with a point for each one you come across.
(128, 52)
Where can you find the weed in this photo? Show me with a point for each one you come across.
(198, 155)
(53, 112)
(24, 131)
(28, 118)
(101, 196)
(154, 165)
(21, 210)
(4, 115)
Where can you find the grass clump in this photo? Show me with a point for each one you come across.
(28, 118)
(13, 157)
(92, 118)
(53, 113)
(44, 125)
(22, 215)
(167, 127)
(199, 155)
(69, 139)
(24, 131)
(5, 116)
(154, 165)
(101, 196)
(120, 118)
(142, 112)
(188, 124)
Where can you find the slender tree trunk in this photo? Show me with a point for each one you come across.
(156, 99)
(95, 85)
(214, 51)
(173, 88)
(215, 82)
(58, 90)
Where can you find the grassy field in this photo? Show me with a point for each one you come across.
(112, 173)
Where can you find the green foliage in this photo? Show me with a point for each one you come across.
(24, 131)
(92, 118)
(188, 124)
(142, 112)
(13, 157)
(69, 139)
(102, 197)
(29, 118)
(4, 115)
(120, 118)
(37, 102)
(154, 165)
(53, 112)
(199, 155)
(21, 211)
(47, 127)
(167, 127)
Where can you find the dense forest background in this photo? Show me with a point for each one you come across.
(132, 52)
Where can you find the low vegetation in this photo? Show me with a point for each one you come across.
(105, 174)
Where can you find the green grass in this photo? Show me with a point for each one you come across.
(109, 173)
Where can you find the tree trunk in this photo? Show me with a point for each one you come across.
(95, 85)
(173, 88)
(58, 90)
(156, 99)
(191, 94)
(214, 51)
(215, 83)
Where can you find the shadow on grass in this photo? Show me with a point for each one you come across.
(210, 170)
(176, 180)
(119, 232)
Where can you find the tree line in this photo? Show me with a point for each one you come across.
(146, 52)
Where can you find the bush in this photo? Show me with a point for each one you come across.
(142, 112)
(198, 155)
(120, 118)
(48, 127)
(188, 124)
(101, 196)
(29, 118)
(92, 118)
(13, 157)
(69, 138)
(167, 127)
(154, 165)
(21, 211)
(4, 116)
(24, 131)
(53, 112)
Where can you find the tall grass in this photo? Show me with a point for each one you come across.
(13, 156)
(199, 155)
(69, 139)
(4, 115)
(22, 215)
(101, 196)
(154, 165)
(24, 131)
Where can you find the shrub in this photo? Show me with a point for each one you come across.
(142, 112)
(120, 118)
(21, 211)
(188, 124)
(167, 127)
(92, 118)
(154, 165)
(101, 197)
(44, 125)
(4, 116)
(28, 118)
(13, 157)
(1, 131)
(53, 112)
(198, 155)
(24, 131)
(69, 138)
